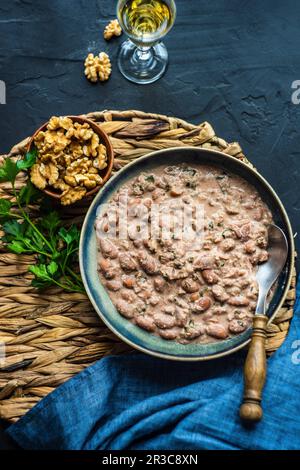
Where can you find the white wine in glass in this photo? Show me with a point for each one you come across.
(143, 58)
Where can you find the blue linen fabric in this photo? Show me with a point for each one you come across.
(139, 402)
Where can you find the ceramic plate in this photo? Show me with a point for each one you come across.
(135, 336)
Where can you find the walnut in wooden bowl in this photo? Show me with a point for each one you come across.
(74, 158)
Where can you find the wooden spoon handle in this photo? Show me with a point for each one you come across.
(255, 371)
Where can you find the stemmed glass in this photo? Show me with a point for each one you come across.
(143, 58)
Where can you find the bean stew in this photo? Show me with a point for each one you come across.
(178, 251)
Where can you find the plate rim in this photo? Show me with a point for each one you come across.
(164, 355)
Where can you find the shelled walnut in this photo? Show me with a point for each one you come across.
(112, 29)
(97, 68)
(70, 156)
(91, 68)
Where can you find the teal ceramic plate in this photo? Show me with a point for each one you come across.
(135, 336)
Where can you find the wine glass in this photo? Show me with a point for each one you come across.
(143, 58)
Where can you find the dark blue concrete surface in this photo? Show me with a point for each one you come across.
(232, 62)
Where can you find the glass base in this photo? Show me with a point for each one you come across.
(142, 65)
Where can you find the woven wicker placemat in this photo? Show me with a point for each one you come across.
(49, 337)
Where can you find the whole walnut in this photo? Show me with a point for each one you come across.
(112, 29)
(97, 68)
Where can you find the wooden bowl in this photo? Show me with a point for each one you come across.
(105, 173)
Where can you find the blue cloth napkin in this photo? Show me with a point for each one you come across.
(139, 402)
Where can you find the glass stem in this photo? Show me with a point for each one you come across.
(143, 53)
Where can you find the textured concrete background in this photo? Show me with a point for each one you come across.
(232, 62)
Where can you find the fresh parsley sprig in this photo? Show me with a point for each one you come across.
(54, 246)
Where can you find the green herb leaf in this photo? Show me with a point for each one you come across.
(40, 284)
(8, 171)
(52, 268)
(55, 248)
(71, 235)
(150, 178)
(40, 271)
(28, 161)
(17, 247)
(5, 207)
(43, 274)
(50, 221)
(14, 228)
(34, 239)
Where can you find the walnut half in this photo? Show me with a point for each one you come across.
(72, 195)
(97, 68)
(112, 29)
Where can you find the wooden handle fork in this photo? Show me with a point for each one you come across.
(255, 371)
